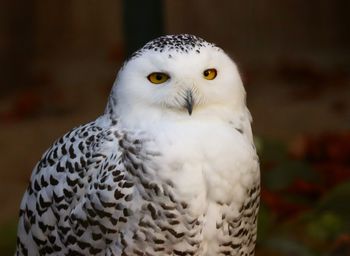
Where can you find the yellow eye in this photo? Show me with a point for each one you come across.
(158, 77)
(210, 73)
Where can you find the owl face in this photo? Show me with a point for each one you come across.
(180, 79)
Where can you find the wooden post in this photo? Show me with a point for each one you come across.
(143, 21)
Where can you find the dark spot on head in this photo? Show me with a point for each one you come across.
(183, 43)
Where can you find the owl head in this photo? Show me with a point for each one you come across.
(177, 75)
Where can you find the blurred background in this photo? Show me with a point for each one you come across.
(58, 60)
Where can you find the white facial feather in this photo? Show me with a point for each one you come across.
(135, 94)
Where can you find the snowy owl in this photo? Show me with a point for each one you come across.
(170, 168)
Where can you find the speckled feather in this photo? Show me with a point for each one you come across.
(147, 178)
(183, 43)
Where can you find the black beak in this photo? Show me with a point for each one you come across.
(189, 102)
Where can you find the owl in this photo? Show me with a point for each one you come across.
(170, 168)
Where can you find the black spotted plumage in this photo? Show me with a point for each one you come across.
(114, 188)
(74, 214)
(183, 43)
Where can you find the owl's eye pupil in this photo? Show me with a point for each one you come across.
(206, 73)
(159, 77)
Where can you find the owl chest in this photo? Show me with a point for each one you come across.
(212, 164)
(211, 169)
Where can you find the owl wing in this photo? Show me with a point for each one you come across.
(241, 231)
(80, 193)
